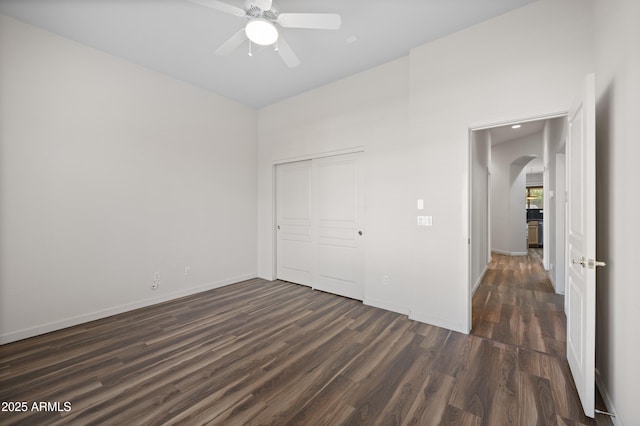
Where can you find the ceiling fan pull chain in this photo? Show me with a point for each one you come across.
(250, 54)
(276, 48)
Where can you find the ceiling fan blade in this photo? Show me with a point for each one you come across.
(264, 4)
(221, 6)
(232, 44)
(287, 54)
(320, 21)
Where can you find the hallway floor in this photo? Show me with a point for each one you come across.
(515, 304)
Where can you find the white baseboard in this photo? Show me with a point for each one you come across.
(92, 316)
(479, 280)
(438, 322)
(267, 276)
(386, 306)
(510, 253)
(617, 421)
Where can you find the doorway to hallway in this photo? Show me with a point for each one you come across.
(505, 161)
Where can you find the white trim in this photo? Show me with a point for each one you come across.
(508, 121)
(550, 275)
(510, 253)
(479, 280)
(274, 223)
(469, 301)
(92, 316)
(438, 322)
(352, 150)
(551, 278)
(386, 306)
(617, 421)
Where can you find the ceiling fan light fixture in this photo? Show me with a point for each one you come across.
(262, 32)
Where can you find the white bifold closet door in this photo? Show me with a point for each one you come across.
(319, 210)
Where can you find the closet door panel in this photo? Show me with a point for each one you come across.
(293, 213)
(337, 223)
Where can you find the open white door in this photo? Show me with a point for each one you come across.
(581, 245)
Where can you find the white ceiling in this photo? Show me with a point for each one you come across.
(507, 133)
(178, 38)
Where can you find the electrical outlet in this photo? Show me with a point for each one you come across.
(385, 280)
(156, 281)
(187, 271)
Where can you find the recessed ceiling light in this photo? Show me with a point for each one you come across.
(516, 126)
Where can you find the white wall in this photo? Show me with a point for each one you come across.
(617, 47)
(509, 162)
(110, 172)
(480, 180)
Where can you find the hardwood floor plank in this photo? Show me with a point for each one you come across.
(488, 388)
(378, 387)
(536, 401)
(452, 355)
(432, 400)
(397, 408)
(455, 417)
(327, 400)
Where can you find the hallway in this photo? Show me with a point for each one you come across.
(516, 305)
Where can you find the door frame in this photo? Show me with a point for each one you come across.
(274, 194)
(487, 126)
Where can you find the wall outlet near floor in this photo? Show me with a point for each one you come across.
(187, 271)
(156, 281)
(385, 280)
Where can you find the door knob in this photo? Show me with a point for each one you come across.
(593, 263)
(359, 232)
(582, 261)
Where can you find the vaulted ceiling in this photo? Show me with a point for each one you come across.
(178, 38)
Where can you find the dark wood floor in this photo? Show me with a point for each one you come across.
(516, 304)
(263, 352)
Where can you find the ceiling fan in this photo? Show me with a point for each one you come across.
(263, 20)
